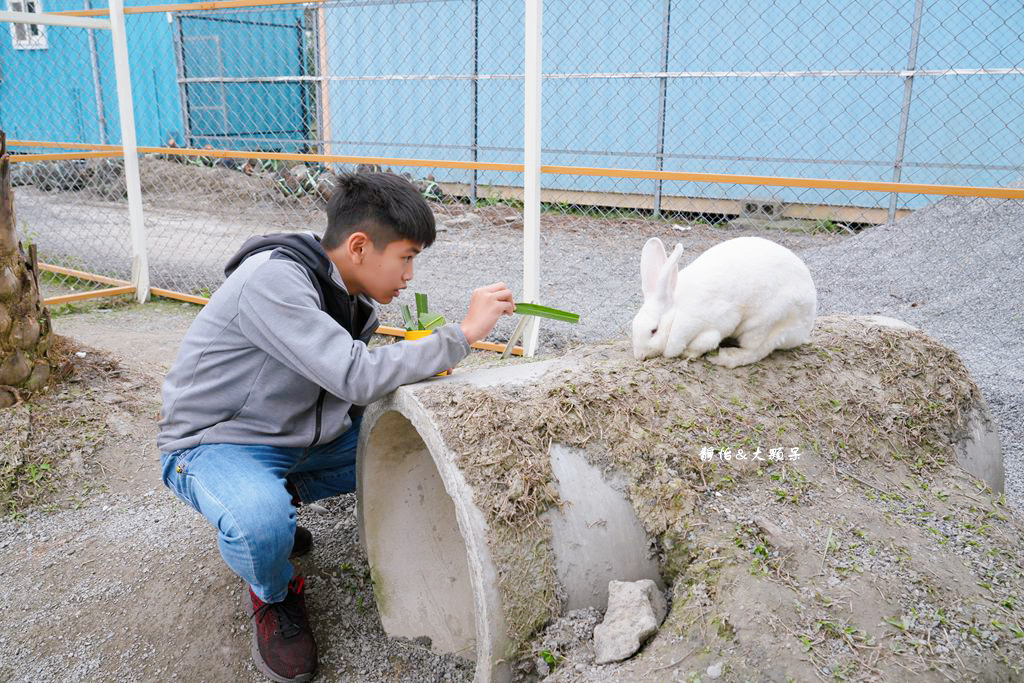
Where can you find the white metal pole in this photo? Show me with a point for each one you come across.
(531, 168)
(140, 261)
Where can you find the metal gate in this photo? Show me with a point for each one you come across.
(245, 82)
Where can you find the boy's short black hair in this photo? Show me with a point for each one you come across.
(385, 206)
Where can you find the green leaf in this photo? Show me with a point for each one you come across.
(897, 622)
(431, 321)
(410, 324)
(546, 312)
(550, 658)
(421, 304)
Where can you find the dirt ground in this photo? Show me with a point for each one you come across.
(106, 576)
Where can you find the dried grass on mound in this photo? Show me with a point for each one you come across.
(875, 413)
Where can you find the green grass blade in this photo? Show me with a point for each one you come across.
(547, 312)
(431, 321)
(410, 324)
(421, 305)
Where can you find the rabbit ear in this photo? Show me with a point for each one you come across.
(669, 275)
(652, 258)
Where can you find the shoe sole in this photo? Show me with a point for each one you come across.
(257, 659)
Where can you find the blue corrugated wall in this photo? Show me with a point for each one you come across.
(966, 129)
(49, 94)
(835, 127)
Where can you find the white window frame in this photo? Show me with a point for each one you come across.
(27, 36)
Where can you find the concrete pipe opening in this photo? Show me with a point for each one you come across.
(420, 566)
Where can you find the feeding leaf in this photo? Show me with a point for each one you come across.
(547, 312)
(431, 321)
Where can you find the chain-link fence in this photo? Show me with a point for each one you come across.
(69, 202)
(245, 114)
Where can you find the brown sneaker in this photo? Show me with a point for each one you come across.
(282, 642)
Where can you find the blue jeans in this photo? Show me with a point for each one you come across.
(240, 489)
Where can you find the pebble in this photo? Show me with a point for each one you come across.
(715, 670)
(542, 667)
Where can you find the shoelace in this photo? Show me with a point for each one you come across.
(288, 611)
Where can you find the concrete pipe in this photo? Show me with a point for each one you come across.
(429, 544)
(427, 541)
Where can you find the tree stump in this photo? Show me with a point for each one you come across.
(24, 322)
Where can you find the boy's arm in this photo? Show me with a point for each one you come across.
(279, 312)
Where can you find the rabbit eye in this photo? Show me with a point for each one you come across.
(654, 331)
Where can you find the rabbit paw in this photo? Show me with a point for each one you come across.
(732, 357)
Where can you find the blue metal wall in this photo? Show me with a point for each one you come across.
(963, 129)
(49, 94)
(810, 126)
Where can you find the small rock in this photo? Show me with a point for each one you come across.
(317, 508)
(635, 610)
(774, 533)
(715, 670)
(681, 228)
(542, 667)
(81, 354)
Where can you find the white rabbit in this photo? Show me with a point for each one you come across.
(748, 289)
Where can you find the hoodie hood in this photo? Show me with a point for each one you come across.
(356, 314)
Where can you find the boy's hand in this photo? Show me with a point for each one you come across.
(487, 304)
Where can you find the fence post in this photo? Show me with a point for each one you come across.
(908, 86)
(531, 168)
(140, 261)
(323, 60)
(97, 88)
(659, 156)
(475, 93)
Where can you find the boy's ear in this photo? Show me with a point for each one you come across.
(356, 246)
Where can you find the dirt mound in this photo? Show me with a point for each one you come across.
(807, 510)
(163, 178)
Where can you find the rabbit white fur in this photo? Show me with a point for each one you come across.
(748, 288)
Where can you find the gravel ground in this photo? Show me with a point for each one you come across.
(98, 593)
(956, 270)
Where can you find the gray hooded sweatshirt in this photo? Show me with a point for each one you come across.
(279, 357)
